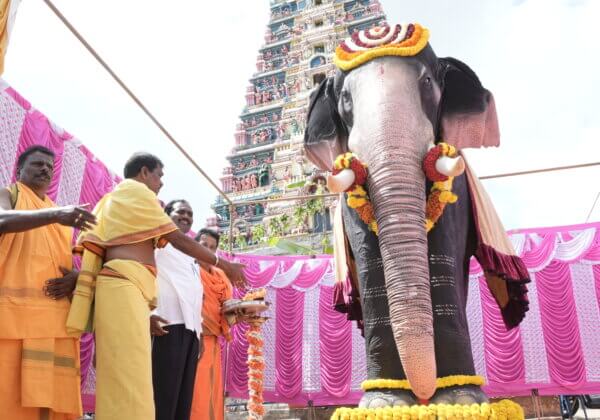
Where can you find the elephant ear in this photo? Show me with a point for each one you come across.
(326, 135)
(467, 109)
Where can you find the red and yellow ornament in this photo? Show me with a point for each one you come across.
(440, 194)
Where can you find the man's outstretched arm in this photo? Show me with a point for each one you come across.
(13, 221)
(188, 246)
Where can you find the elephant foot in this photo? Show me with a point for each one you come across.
(387, 398)
(463, 394)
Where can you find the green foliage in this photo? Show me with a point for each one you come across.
(291, 247)
(285, 222)
(314, 206)
(259, 233)
(300, 215)
(326, 245)
(275, 228)
(295, 185)
(224, 242)
(240, 242)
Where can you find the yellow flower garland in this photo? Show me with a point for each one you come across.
(358, 199)
(501, 410)
(445, 382)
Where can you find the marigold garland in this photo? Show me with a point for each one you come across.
(440, 194)
(357, 199)
(501, 410)
(256, 366)
(441, 191)
(444, 382)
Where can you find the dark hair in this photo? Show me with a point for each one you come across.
(209, 232)
(134, 165)
(31, 150)
(171, 205)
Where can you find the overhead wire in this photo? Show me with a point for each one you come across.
(140, 104)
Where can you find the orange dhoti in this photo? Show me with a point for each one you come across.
(40, 379)
(39, 361)
(208, 403)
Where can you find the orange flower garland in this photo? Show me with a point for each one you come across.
(441, 191)
(357, 196)
(440, 195)
(256, 366)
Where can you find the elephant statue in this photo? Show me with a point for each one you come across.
(390, 102)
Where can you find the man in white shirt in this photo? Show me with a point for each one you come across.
(176, 323)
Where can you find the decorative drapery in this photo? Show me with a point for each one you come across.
(313, 354)
(78, 177)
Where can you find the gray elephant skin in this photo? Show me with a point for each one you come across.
(410, 287)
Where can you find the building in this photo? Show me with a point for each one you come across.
(267, 160)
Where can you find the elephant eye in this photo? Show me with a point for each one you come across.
(427, 81)
(346, 104)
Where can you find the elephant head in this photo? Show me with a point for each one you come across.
(390, 100)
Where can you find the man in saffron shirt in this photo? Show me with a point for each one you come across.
(39, 361)
(208, 401)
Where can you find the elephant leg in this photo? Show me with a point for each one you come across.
(451, 244)
(383, 361)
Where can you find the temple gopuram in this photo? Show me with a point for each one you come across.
(267, 160)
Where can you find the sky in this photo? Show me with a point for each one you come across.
(190, 61)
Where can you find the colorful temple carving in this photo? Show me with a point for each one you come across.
(267, 159)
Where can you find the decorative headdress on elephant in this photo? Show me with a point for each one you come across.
(391, 100)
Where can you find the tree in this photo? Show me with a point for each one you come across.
(224, 242)
(299, 217)
(284, 221)
(240, 241)
(259, 233)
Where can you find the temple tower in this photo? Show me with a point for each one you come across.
(267, 159)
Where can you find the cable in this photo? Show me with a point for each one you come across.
(593, 206)
(132, 96)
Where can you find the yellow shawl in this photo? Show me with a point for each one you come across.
(130, 214)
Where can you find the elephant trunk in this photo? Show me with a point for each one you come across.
(397, 191)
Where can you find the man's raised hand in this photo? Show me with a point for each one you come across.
(75, 216)
(234, 272)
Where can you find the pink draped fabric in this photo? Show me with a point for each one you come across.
(79, 178)
(288, 356)
(560, 325)
(334, 332)
(555, 350)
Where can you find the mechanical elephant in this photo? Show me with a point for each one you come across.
(390, 102)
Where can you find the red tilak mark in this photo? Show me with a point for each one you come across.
(381, 70)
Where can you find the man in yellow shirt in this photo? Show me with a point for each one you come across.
(116, 288)
(39, 361)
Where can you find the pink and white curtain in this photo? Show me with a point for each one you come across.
(79, 177)
(313, 353)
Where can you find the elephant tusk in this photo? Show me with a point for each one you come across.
(450, 166)
(340, 182)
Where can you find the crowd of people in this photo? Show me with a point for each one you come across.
(156, 350)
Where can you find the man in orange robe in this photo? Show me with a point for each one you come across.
(208, 402)
(39, 362)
